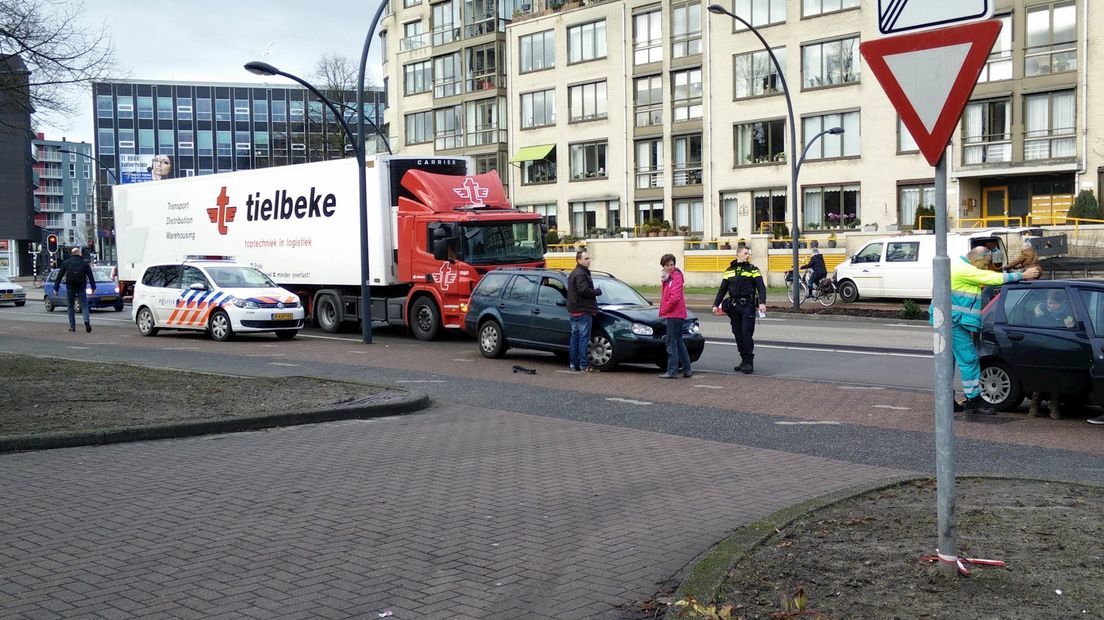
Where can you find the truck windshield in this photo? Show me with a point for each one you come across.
(239, 277)
(502, 243)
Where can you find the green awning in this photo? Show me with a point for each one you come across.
(532, 153)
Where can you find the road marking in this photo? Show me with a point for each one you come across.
(824, 350)
(860, 387)
(78, 348)
(263, 355)
(890, 407)
(420, 381)
(631, 402)
(907, 325)
(809, 423)
(462, 359)
(709, 387)
(283, 364)
(179, 348)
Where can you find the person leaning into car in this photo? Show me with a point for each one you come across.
(672, 309)
(78, 275)
(582, 305)
(743, 283)
(969, 274)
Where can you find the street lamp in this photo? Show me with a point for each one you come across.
(97, 215)
(263, 68)
(795, 163)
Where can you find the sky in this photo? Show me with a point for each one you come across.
(210, 41)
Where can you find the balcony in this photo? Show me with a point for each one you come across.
(486, 135)
(417, 41)
(484, 81)
(447, 34)
(447, 87)
(688, 174)
(649, 115)
(1047, 59)
(44, 155)
(1050, 144)
(487, 24)
(986, 149)
(649, 177)
(448, 139)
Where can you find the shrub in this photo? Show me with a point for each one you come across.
(1086, 206)
(928, 223)
(912, 311)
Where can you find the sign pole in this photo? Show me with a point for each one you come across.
(944, 382)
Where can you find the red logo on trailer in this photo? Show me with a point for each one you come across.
(223, 213)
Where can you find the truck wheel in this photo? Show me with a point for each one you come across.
(848, 291)
(220, 327)
(425, 319)
(491, 342)
(146, 324)
(602, 354)
(327, 313)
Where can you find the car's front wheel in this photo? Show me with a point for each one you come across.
(118, 307)
(848, 291)
(1000, 386)
(603, 354)
(49, 303)
(146, 324)
(491, 342)
(220, 327)
(286, 334)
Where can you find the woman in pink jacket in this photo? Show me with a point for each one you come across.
(672, 307)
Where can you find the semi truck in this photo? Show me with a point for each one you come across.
(433, 230)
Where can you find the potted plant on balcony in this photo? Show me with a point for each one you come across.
(552, 238)
(786, 241)
(664, 228)
(832, 240)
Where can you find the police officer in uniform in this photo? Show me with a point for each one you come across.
(743, 284)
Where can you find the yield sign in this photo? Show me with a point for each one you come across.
(929, 76)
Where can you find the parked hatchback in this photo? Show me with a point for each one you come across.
(527, 309)
(105, 295)
(1046, 336)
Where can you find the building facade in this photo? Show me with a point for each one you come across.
(204, 128)
(17, 178)
(63, 200)
(627, 111)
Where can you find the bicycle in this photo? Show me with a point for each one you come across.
(826, 292)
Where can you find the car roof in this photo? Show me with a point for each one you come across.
(1053, 283)
(546, 270)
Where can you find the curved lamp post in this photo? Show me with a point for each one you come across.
(795, 163)
(263, 68)
(97, 215)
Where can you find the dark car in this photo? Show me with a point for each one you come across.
(1045, 336)
(106, 294)
(527, 308)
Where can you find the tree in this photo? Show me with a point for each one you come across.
(1086, 206)
(336, 77)
(60, 53)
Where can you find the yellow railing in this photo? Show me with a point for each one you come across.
(779, 263)
(565, 247)
(769, 225)
(987, 222)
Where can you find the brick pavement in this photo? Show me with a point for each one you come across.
(455, 513)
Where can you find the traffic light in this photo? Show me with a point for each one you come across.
(51, 244)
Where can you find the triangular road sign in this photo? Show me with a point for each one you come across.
(929, 76)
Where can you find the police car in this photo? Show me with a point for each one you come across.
(215, 295)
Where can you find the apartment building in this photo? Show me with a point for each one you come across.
(445, 71)
(666, 111)
(63, 200)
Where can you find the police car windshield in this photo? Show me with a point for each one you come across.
(617, 293)
(502, 243)
(239, 277)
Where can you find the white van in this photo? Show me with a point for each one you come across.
(901, 266)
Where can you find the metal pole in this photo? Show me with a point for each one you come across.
(97, 211)
(944, 381)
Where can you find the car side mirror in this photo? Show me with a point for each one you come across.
(562, 302)
(440, 249)
(197, 286)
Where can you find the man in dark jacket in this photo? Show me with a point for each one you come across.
(582, 305)
(78, 275)
(817, 270)
(745, 290)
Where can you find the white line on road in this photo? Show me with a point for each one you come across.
(462, 359)
(908, 325)
(808, 423)
(78, 348)
(179, 348)
(420, 381)
(263, 355)
(860, 387)
(890, 407)
(629, 401)
(283, 364)
(709, 387)
(822, 350)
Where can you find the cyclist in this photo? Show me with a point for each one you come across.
(817, 271)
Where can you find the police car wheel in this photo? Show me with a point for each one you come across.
(219, 327)
(146, 323)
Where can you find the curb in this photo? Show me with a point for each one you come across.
(355, 410)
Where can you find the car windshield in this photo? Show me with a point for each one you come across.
(102, 274)
(239, 277)
(501, 243)
(617, 293)
(4, 278)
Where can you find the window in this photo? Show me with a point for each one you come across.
(830, 63)
(539, 170)
(810, 8)
(691, 214)
(260, 111)
(222, 109)
(242, 143)
(987, 131)
(125, 108)
(1051, 40)
(203, 109)
(448, 127)
(164, 108)
(185, 142)
(909, 199)
(760, 12)
(492, 284)
(587, 102)
(872, 253)
(1049, 125)
(225, 144)
(296, 110)
(584, 216)
(241, 109)
(648, 100)
(548, 213)
(72, 171)
(87, 171)
(586, 42)
(829, 146)
(279, 111)
(417, 77)
(650, 210)
(905, 142)
(754, 74)
(686, 30)
(551, 292)
(126, 142)
(260, 144)
(999, 65)
(730, 212)
(647, 37)
(446, 75)
(445, 16)
(770, 209)
(419, 128)
(761, 142)
(686, 104)
(649, 164)
(165, 140)
(409, 3)
(588, 160)
(832, 207)
(106, 140)
(537, 51)
(1048, 308)
(183, 109)
(484, 69)
(484, 125)
(687, 160)
(413, 36)
(104, 107)
(538, 109)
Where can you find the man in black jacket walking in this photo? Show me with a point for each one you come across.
(582, 305)
(78, 275)
(743, 284)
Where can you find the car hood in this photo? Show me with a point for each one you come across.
(11, 286)
(261, 295)
(638, 313)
